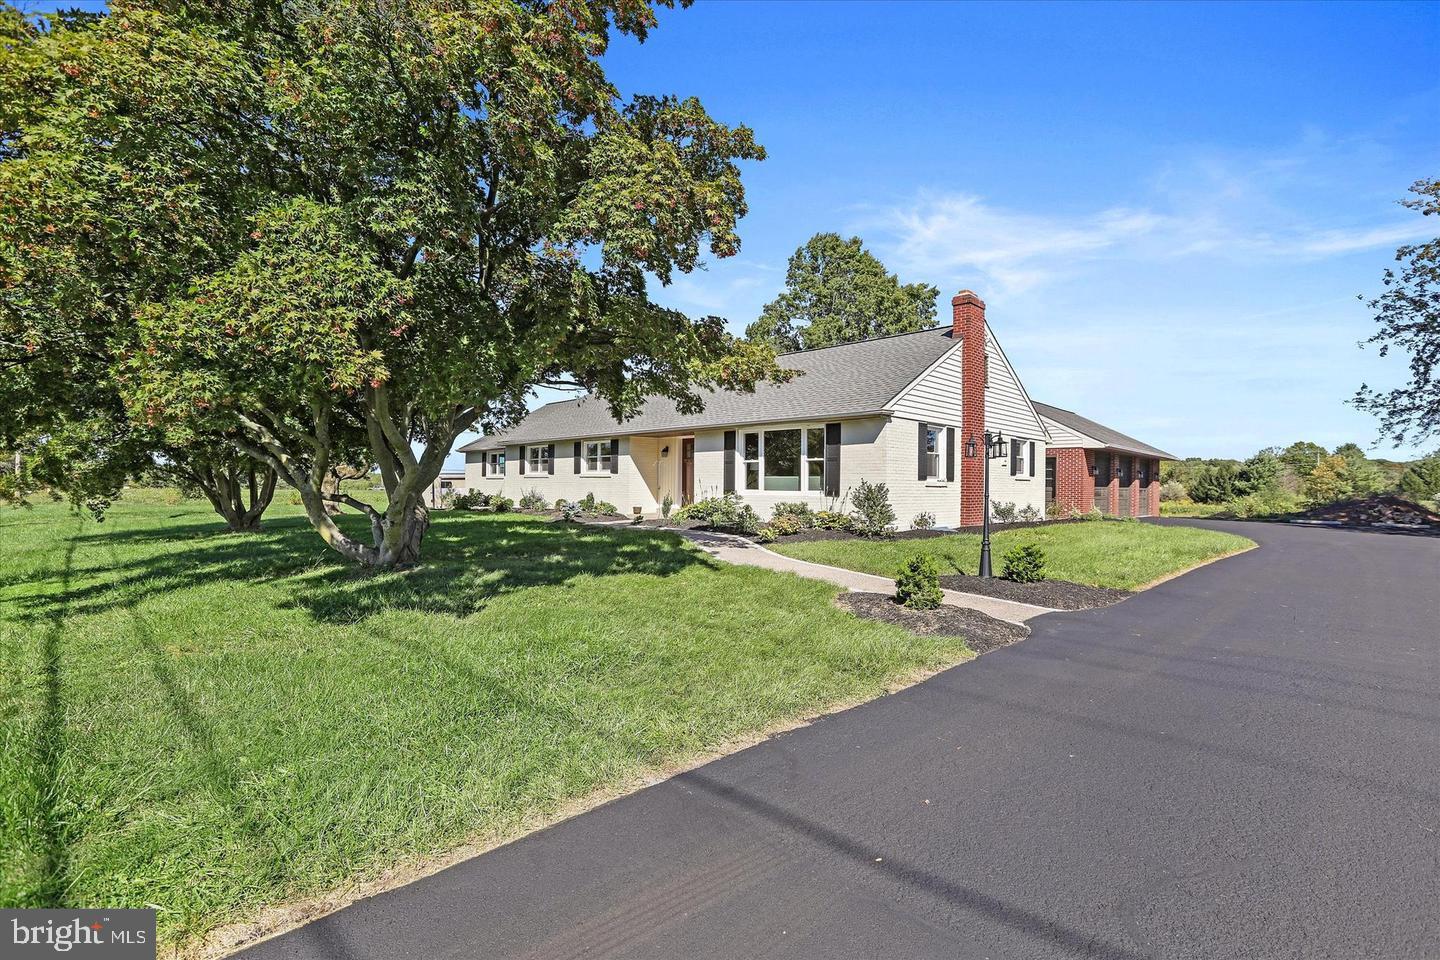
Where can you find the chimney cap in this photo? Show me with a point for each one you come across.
(967, 296)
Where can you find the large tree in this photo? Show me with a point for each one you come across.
(836, 291)
(1408, 312)
(372, 225)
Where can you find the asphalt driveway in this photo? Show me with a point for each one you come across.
(1243, 762)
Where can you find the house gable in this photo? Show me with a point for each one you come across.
(1007, 404)
(934, 395)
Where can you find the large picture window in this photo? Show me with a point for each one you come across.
(598, 454)
(789, 460)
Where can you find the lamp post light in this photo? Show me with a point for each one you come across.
(994, 447)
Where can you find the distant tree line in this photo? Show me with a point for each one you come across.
(1284, 479)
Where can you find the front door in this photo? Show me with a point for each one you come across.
(1125, 470)
(687, 470)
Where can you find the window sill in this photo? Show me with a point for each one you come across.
(596, 475)
(937, 483)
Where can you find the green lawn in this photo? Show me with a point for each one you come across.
(1102, 553)
(209, 723)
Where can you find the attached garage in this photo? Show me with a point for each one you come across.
(1091, 466)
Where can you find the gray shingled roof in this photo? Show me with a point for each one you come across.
(1111, 439)
(848, 380)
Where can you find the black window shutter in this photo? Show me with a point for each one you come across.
(550, 458)
(484, 458)
(950, 454)
(614, 454)
(832, 459)
(1032, 458)
(924, 473)
(522, 459)
(729, 485)
(577, 456)
(1014, 457)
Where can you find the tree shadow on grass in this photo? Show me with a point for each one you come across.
(467, 560)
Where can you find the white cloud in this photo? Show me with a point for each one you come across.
(1237, 206)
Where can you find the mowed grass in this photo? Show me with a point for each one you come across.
(209, 723)
(1102, 553)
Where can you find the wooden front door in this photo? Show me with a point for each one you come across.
(687, 470)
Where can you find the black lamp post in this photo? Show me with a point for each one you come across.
(994, 447)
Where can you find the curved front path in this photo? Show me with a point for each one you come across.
(1241, 762)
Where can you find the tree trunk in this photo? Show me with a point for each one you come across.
(222, 486)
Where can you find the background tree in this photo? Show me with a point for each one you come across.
(1329, 480)
(307, 228)
(836, 291)
(1300, 457)
(1408, 313)
(1421, 479)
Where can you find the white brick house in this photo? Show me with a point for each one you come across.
(899, 410)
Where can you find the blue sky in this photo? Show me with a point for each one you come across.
(1170, 209)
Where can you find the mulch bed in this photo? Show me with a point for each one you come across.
(982, 634)
(804, 536)
(1373, 511)
(1056, 594)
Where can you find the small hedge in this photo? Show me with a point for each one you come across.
(1024, 565)
(917, 584)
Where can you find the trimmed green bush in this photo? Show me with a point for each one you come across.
(786, 525)
(925, 520)
(872, 513)
(1024, 565)
(917, 583)
(533, 500)
(800, 512)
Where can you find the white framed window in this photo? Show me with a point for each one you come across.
(597, 456)
(788, 459)
(539, 459)
(1019, 448)
(497, 462)
(934, 452)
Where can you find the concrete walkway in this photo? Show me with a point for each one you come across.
(733, 549)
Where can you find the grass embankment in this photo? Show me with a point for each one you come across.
(209, 723)
(1102, 553)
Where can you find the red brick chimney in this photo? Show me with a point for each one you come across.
(969, 326)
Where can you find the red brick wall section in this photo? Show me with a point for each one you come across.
(1074, 485)
(969, 325)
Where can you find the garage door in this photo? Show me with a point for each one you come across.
(1124, 471)
(1102, 482)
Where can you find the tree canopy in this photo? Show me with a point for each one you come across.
(1408, 313)
(349, 230)
(836, 291)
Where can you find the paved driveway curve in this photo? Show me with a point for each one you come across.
(1243, 762)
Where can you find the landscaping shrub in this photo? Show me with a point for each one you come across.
(605, 507)
(723, 513)
(666, 506)
(768, 535)
(587, 502)
(470, 500)
(1267, 503)
(786, 525)
(917, 583)
(569, 512)
(798, 511)
(533, 500)
(1003, 512)
(1024, 565)
(501, 504)
(873, 515)
(830, 520)
(924, 520)
(1055, 510)
(1173, 490)
(1028, 514)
